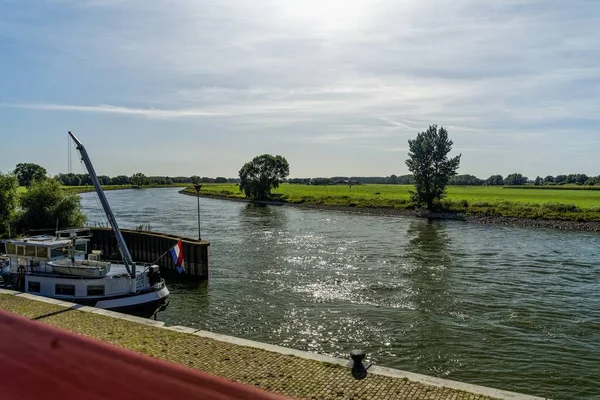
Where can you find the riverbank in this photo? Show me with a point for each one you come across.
(276, 369)
(367, 201)
(86, 189)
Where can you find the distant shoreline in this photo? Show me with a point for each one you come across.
(88, 189)
(583, 226)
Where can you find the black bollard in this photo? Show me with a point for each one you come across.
(358, 369)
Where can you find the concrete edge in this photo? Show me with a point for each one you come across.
(378, 370)
(390, 372)
(79, 307)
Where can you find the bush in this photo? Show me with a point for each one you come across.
(45, 205)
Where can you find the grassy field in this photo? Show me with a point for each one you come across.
(565, 204)
(580, 205)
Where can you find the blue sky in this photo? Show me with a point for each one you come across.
(337, 87)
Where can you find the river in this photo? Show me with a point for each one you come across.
(512, 308)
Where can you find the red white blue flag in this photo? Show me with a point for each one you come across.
(177, 254)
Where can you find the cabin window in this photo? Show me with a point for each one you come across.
(11, 249)
(81, 247)
(30, 251)
(65, 290)
(33, 287)
(42, 252)
(54, 253)
(95, 290)
(20, 250)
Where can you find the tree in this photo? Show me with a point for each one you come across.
(44, 204)
(465, 180)
(515, 180)
(195, 179)
(560, 179)
(392, 180)
(549, 179)
(428, 161)
(495, 180)
(29, 172)
(322, 181)
(538, 181)
(262, 174)
(120, 180)
(299, 181)
(69, 179)
(406, 180)
(220, 179)
(576, 178)
(139, 179)
(104, 180)
(86, 180)
(8, 200)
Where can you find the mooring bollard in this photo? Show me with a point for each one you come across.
(358, 369)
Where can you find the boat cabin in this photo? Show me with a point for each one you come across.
(32, 254)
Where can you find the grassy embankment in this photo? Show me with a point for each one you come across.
(549, 203)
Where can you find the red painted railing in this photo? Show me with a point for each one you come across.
(38, 361)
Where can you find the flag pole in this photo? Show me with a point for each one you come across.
(165, 253)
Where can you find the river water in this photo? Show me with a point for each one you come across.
(512, 308)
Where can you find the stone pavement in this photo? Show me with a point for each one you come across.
(287, 374)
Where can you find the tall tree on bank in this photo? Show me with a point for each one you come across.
(8, 200)
(428, 161)
(139, 179)
(262, 174)
(29, 172)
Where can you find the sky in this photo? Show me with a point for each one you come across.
(337, 87)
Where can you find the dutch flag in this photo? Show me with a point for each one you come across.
(177, 254)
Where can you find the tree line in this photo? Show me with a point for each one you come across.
(137, 179)
(28, 172)
(515, 179)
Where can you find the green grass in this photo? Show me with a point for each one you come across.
(581, 205)
(555, 187)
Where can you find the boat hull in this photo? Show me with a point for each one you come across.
(143, 305)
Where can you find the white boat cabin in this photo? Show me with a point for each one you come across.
(34, 253)
(31, 269)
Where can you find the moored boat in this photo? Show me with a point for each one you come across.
(63, 268)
